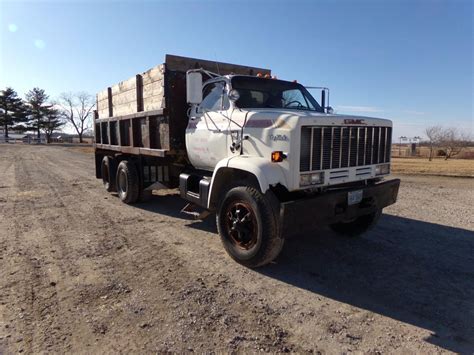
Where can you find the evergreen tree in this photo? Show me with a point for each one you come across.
(12, 109)
(52, 122)
(38, 109)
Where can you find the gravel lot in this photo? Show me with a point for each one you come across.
(82, 272)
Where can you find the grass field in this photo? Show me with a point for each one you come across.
(419, 166)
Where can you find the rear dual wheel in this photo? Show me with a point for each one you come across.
(128, 182)
(106, 170)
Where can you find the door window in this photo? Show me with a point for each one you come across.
(214, 97)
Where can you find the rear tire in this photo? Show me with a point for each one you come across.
(247, 222)
(128, 182)
(357, 227)
(106, 170)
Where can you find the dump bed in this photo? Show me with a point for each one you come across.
(146, 114)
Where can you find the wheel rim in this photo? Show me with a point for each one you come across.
(241, 224)
(122, 180)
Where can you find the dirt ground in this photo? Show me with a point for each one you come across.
(82, 272)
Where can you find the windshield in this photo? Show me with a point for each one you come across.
(257, 92)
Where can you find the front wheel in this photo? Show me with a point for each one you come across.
(247, 222)
(358, 226)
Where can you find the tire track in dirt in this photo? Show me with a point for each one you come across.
(170, 285)
(177, 270)
(37, 288)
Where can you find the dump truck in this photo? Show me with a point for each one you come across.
(264, 155)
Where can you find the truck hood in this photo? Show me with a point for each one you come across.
(280, 118)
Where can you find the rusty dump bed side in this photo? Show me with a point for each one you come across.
(146, 114)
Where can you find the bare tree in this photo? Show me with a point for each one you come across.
(434, 134)
(452, 142)
(77, 109)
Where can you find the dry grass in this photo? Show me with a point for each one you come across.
(441, 167)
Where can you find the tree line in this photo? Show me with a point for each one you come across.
(448, 140)
(38, 113)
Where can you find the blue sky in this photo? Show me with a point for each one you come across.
(410, 61)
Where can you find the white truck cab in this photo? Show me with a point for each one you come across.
(242, 121)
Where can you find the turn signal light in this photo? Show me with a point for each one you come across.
(278, 156)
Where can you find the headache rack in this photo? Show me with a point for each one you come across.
(334, 147)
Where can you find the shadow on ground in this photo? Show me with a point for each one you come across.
(416, 272)
(171, 205)
(419, 273)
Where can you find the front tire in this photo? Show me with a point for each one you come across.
(358, 226)
(128, 182)
(247, 222)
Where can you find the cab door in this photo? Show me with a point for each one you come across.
(206, 134)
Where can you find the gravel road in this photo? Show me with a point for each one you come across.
(82, 272)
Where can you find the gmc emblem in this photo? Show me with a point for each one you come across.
(353, 121)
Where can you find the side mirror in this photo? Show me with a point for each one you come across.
(193, 88)
(329, 110)
(234, 95)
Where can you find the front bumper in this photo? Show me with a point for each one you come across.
(331, 207)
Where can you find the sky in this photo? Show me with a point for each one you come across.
(408, 61)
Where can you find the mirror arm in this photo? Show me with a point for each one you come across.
(210, 74)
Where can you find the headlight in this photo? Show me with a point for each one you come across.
(382, 169)
(311, 179)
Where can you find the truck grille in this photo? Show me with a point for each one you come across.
(332, 147)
